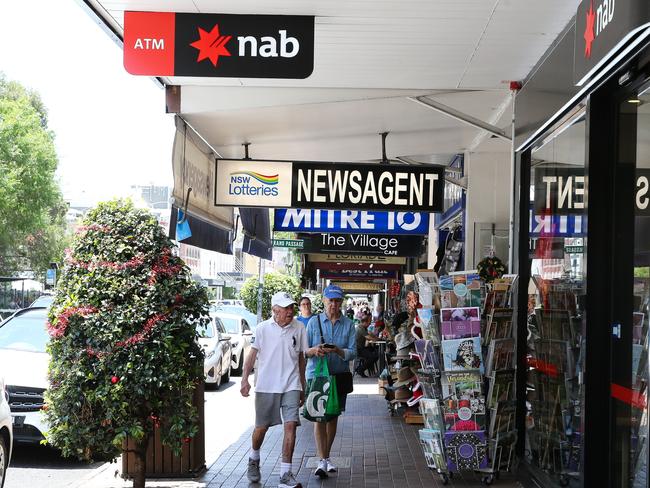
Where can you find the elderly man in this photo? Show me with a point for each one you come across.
(280, 345)
(331, 334)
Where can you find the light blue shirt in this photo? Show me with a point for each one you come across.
(341, 334)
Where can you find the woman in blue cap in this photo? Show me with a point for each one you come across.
(331, 334)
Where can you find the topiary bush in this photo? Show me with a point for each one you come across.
(273, 283)
(124, 355)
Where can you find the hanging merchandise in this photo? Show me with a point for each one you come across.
(453, 251)
(490, 268)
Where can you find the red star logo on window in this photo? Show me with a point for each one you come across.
(211, 45)
(589, 30)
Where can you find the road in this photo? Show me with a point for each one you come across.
(227, 416)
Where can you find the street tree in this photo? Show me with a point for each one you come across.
(32, 211)
(273, 283)
(124, 354)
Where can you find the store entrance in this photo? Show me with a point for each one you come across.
(632, 290)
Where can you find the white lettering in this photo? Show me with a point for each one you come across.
(347, 219)
(385, 191)
(295, 45)
(417, 189)
(564, 192)
(295, 217)
(158, 44)
(338, 184)
(579, 191)
(304, 186)
(548, 180)
(243, 40)
(369, 190)
(641, 192)
(399, 188)
(268, 48)
(367, 220)
(319, 185)
(355, 177)
(431, 178)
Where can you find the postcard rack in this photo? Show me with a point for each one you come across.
(467, 373)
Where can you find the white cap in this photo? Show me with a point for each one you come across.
(282, 299)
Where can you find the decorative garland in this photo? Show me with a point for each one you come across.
(490, 268)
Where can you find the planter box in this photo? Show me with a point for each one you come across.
(161, 461)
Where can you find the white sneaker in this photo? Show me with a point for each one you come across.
(321, 470)
(330, 467)
(288, 480)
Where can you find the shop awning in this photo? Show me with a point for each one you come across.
(257, 232)
(204, 234)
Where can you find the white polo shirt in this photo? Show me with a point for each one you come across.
(278, 351)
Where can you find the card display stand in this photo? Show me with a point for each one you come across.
(467, 372)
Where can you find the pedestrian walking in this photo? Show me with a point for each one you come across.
(280, 345)
(304, 310)
(331, 334)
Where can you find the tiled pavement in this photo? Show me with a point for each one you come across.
(382, 451)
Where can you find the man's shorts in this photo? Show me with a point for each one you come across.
(276, 408)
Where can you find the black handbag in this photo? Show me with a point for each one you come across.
(344, 382)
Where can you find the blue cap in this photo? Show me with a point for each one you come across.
(333, 291)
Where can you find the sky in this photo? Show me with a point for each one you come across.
(111, 129)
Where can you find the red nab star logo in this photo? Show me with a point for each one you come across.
(211, 45)
(589, 30)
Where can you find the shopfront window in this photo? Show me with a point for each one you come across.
(634, 391)
(556, 317)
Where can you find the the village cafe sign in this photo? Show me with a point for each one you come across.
(299, 184)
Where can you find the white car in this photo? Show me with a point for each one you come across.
(24, 363)
(215, 343)
(241, 338)
(6, 435)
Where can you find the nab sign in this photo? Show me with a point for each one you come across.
(218, 45)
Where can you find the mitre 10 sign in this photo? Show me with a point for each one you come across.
(218, 45)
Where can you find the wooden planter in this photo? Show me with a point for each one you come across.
(161, 461)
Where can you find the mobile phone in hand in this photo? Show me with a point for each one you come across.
(329, 346)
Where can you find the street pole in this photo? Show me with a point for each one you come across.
(260, 287)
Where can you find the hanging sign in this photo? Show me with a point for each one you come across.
(357, 273)
(336, 186)
(367, 244)
(602, 28)
(218, 45)
(289, 243)
(351, 221)
(354, 258)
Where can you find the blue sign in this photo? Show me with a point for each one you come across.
(351, 221)
(554, 225)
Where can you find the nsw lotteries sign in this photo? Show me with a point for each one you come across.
(218, 45)
(335, 186)
(350, 221)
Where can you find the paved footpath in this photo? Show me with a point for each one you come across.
(372, 450)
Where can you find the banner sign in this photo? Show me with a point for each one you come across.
(642, 192)
(355, 258)
(351, 221)
(560, 191)
(367, 244)
(290, 243)
(558, 225)
(357, 273)
(342, 186)
(218, 45)
(602, 28)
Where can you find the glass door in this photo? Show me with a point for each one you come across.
(630, 341)
(556, 306)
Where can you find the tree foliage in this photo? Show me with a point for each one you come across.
(32, 211)
(124, 356)
(273, 283)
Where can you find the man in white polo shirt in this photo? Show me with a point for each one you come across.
(280, 345)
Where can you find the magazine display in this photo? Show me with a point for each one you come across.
(465, 429)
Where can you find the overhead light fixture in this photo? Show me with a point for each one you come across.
(634, 100)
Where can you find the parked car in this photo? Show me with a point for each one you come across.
(241, 338)
(251, 318)
(218, 352)
(24, 363)
(228, 302)
(6, 433)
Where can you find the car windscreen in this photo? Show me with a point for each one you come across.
(231, 324)
(205, 332)
(251, 318)
(25, 332)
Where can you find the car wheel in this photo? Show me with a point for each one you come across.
(226, 376)
(4, 460)
(240, 365)
(218, 380)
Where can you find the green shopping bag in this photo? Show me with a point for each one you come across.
(321, 398)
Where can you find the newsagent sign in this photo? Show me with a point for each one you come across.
(336, 186)
(602, 28)
(350, 221)
(366, 244)
(218, 45)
